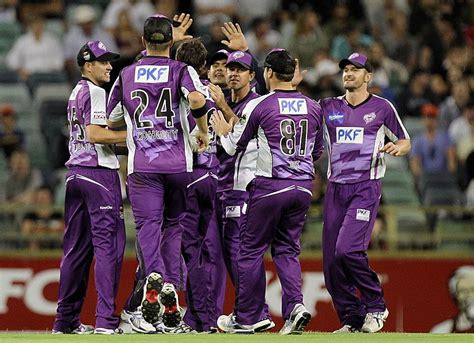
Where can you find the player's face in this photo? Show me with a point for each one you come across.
(354, 78)
(100, 71)
(216, 73)
(238, 77)
(465, 296)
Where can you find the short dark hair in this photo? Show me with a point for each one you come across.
(193, 53)
(282, 63)
(158, 29)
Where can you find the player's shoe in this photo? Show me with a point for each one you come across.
(298, 320)
(181, 328)
(82, 329)
(171, 316)
(263, 325)
(136, 321)
(374, 321)
(347, 329)
(228, 324)
(104, 331)
(150, 302)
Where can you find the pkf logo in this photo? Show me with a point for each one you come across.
(151, 74)
(293, 106)
(353, 135)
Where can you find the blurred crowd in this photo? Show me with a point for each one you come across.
(422, 53)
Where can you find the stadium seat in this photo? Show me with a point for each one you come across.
(37, 79)
(414, 126)
(16, 94)
(51, 91)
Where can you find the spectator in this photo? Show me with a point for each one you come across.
(138, 10)
(248, 10)
(351, 40)
(438, 89)
(308, 37)
(339, 22)
(36, 51)
(23, 180)
(43, 218)
(415, 95)
(262, 38)
(11, 137)
(8, 11)
(84, 29)
(452, 106)
(433, 152)
(387, 72)
(210, 11)
(399, 43)
(128, 40)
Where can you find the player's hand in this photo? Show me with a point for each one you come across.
(299, 74)
(220, 126)
(202, 141)
(217, 95)
(185, 21)
(235, 37)
(391, 149)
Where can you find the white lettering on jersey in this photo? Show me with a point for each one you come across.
(293, 106)
(151, 74)
(353, 135)
(363, 215)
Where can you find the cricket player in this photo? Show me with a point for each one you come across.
(93, 209)
(288, 127)
(356, 127)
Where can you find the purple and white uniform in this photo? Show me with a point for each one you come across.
(354, 136)
(153, 95)
(93, 215)
(288, 127)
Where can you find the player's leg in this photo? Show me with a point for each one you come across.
(342, 291)
(257, 231)
(146, 194)
(353, 244)
(200, 208)
(170, 248)
(107, 227)
(286, 245)
(78, 255)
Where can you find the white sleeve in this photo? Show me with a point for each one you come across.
(98, 106)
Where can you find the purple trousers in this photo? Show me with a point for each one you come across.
(275, 217)
(159, 203)
(94, 226)
(200, 247)
(349, 215)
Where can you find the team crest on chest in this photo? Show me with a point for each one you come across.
(369, 117)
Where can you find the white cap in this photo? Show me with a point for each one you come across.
(84, 14)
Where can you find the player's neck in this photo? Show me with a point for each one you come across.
(357, 96)
(284, 86)
(239, 94)
(158, 53)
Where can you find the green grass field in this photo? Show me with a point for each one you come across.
(260, 338)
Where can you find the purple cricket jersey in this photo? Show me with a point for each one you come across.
(289, 136)
(87, 105)
(153, 94)
(235, 172)
(207, 159)
(354, 136)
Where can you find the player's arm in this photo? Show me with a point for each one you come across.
(116, 118)
(100, 135)
(197, 102)
(218, 96)
(399, 148)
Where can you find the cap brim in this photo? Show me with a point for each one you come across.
(242, 64)
(218, 56)
(108, 56)
(346, 61)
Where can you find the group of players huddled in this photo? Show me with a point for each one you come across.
(220, 168)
